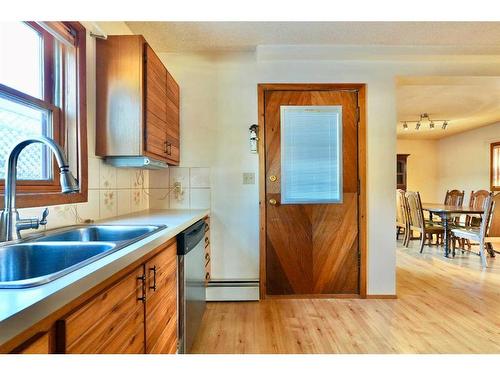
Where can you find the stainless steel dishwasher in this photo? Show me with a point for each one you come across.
(192, 293)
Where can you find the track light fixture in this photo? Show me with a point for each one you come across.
(425, 118)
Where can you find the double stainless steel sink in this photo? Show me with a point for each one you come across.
(41, 259)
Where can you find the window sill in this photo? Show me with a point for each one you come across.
(25, 200)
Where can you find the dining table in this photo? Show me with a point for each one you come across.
(448, 213)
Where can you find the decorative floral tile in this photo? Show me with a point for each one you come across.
(107, 205)
(107, 176)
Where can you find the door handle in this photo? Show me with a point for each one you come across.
(272, 202)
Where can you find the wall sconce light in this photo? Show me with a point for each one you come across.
(254, 131)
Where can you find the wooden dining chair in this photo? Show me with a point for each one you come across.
(401, 215)
(454, 197)
(417, 223)
(476, 201)
(488, 230)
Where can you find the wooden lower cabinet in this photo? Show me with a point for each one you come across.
(161, 302)
(112, 322)
(138, 314)
(40, 344)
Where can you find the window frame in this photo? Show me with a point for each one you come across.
(36, 193)
(492, 148)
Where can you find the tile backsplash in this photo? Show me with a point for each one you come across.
(195, 188)
(118, 191)
(112, 192)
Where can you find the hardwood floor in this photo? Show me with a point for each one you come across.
(443, 306)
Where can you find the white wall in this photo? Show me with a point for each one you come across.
(464, 160)
(220, 92)
(422, 167)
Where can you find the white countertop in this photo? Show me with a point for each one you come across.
(23, 308)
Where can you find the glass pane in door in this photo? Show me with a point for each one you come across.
(311, 154)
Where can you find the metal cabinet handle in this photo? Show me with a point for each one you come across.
(165, 147)
(154, 278)
(207, 276)
(143, 288)
(272, 202)
(169, 148)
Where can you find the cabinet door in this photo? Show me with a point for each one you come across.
(173, 116)
(161, 302)
(111, 322)
(155, 106)
(38, 345)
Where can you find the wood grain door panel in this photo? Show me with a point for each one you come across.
(161, 302)
(112, 322)
(312, 249)
(155, 105)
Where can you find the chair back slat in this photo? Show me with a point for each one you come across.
(454, 197)
(400, 207)
(476, 201)
(493, 225)
(415, 212)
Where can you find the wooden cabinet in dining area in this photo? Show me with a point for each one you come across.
(137, 107)
(137, 314)
(401, 167)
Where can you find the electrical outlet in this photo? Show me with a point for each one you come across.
(248, 178)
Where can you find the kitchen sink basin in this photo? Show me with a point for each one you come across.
(28, 264)
(113, 233)
(36, 261)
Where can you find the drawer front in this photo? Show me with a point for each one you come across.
(111, 322)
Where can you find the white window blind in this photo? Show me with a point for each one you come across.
(311, 154)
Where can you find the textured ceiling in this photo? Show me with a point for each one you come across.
(244, 36)
(467, 102)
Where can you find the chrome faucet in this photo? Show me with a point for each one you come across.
(10, 222)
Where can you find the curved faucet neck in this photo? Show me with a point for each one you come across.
(9, 215)
(11, 167)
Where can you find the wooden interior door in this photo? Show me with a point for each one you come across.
(311, 249)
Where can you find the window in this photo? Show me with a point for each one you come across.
(495, 167)
(311, 154)
(42, 92)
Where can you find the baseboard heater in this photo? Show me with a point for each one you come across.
(233, 290)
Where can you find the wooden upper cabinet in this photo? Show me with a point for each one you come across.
(137, 101)
(161, 302)
(173, 119)
(155, 80)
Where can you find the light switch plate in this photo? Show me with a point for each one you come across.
(248, 178)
